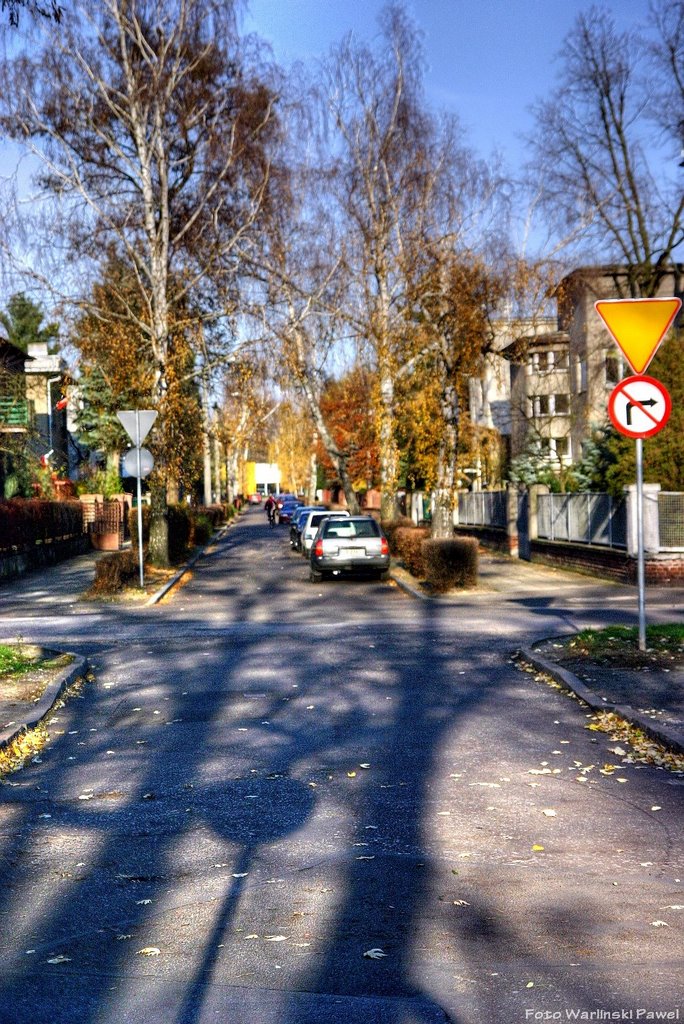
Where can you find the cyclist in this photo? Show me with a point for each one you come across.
(271, 509)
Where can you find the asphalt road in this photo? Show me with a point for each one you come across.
(268, 779)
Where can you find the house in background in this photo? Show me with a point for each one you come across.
(549, 381)
(33, 416)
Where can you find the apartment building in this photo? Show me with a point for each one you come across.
(548, 382)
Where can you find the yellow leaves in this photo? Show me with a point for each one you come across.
(537, 848)
(149, 951)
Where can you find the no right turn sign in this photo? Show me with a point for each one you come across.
(639, 406)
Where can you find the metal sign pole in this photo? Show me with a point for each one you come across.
(139, 489)
(640, 542)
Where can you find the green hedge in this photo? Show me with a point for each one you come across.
(203, 529)
(450, 563)
(25, 522)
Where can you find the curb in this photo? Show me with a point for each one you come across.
(671, 738)
(52, 692)
(158, 594)
(398, 576)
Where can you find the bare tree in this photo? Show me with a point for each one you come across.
(154, 134)
(593, 153)
(406, 186)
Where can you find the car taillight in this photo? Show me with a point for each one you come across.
(384, 546)
(318, 550)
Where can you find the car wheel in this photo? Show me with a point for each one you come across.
(384, 575)
(315, 577)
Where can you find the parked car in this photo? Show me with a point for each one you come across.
(310, 527)
(287, 510)
(254, 499)
(297, 524)
(355, 544)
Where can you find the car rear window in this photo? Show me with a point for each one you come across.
(351, 528)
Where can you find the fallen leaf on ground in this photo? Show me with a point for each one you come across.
(374, 954)
(549, 812)
(149, 951)
(60, 959)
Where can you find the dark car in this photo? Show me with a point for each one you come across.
(352, 545)
(287, 510)
(297, 524)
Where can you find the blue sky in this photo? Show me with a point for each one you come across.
(488, 60)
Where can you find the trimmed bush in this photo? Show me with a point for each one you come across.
(180, 531)
(114, 572)
(408, 542)
(390, 527)
(203, 530)
(450, 563)
(216, 514)
(27, 521)
(133, 524)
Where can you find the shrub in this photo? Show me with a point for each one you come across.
(390, 527)
(216, 514)
(450, 563)
(408, 541)
(180, 531)
(133, 524)
(26, 521)
(114, 572)
(202, 530)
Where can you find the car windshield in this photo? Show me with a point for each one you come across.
(351, 528)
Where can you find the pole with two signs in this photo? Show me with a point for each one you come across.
(138, 461)
(639, 406)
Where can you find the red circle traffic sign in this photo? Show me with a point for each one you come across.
(639, 406)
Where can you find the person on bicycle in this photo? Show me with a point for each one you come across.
(270, 507)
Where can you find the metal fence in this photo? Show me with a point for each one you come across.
(482, 508)
(583, 519)
(671, 520)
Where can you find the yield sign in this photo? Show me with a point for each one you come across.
(639, 406)
(137, 423)
(638, 325)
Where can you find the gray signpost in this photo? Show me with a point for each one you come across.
(138, 461)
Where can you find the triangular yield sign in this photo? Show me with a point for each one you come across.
(638, 325)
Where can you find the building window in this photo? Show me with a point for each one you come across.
(581, 375)
(615, 368)
(541, 405)
(562, 446)
(561, 405)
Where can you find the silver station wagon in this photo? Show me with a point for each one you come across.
(352, 545)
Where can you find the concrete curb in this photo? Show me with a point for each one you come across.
(671, 738)
(399, 577)
(53, 691)
(158, 594)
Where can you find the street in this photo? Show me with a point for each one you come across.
(286, 803)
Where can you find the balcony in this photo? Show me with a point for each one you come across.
(14, 414)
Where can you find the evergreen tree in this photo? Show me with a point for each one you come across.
(23, 323)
